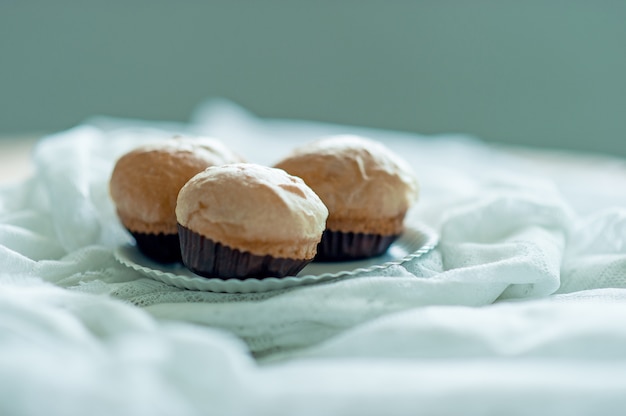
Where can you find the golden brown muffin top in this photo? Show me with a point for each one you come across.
(145, 182)
(361, 181)
(253, 208)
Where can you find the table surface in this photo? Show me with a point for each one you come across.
(15, 157)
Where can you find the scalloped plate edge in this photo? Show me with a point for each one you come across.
(128, 256)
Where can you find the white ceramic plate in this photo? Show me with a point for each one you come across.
(413, 243)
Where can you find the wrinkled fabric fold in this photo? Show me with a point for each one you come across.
(519, 305)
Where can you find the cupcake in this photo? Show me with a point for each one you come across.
(145, 183)
(245, 220)
(367, 189)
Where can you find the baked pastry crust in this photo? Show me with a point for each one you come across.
(253, 208)
(367, 188)
(145, 182)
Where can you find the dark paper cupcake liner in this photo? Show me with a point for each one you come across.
(162, 248)
(346, 246)
(207, 258)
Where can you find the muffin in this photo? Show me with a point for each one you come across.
(144, 186)
(366, 187)
(245, 220)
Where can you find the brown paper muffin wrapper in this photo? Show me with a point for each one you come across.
(346, 246)
(208, 258)
(162, 248)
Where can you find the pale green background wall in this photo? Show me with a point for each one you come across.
(539, 72)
